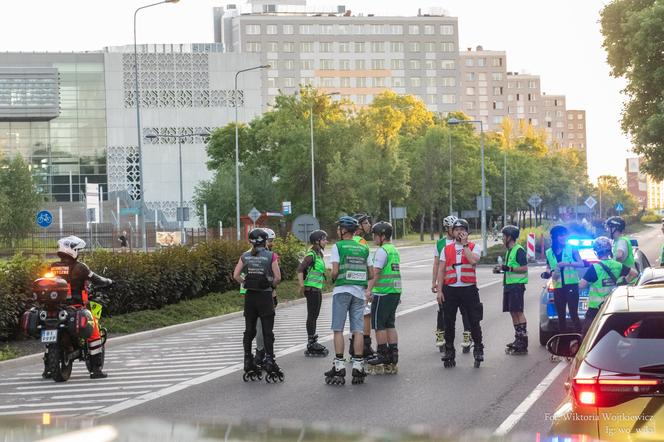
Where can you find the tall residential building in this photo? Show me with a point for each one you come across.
(357, 56)
(637, 182)
(482, 86)
(553, 119)
(655, 194)
(576, 129)
(523, 98)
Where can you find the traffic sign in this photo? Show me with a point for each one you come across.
(590, 202)
(619, 207)
(487, 202)
(303, 225)
(286, 208)
(535, 200)
(254, 214)
(44, 218)
(398, 213)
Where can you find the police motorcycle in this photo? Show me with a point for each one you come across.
(64, 328)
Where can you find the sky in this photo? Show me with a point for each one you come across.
(559, 40)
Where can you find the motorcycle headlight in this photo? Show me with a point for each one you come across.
(42, 315)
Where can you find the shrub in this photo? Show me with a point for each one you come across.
(291, 251)
(651, 218)
(16, 276)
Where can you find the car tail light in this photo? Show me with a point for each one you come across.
(609, 391)
(587, 398)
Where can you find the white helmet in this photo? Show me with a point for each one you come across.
(70, 246)
(449, 221)
(270, 234)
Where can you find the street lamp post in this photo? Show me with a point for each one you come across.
(181, 205)
(452, 122)
(311, 127)
(505, 188)
(138, 124)
(237, 149)
(449, 144)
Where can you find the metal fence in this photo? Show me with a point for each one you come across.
(106, 236)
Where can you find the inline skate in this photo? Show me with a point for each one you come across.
(251, 371)
(520, 346)
(273, 373)
(336, 375)
(358, 371)
(377, 365)
(478, 354)
(314, 349)
(449, 354)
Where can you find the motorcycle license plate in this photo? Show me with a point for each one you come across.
(48, 336)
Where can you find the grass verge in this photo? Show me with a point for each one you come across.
(8, 352)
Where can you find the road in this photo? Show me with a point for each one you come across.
(195, 375)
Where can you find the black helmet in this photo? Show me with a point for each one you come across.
(461, 223)
(615, 223)
(348, 223)
(258, 237)
(602, 246)
(511, 231)
(316, 236)
(558, 230)
(382, 228)
(362, 217)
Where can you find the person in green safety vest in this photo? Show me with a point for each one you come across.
(384, 293)
(350, 274)
(562, 260)
(515, 270)
(602, 278)
(311, 278)
(622, 246)
(363, 229)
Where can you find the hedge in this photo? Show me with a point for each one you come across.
(142, 281)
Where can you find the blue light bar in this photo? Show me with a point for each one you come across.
(573, 242)
(576, 242)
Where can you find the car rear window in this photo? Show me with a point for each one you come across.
(629, 341)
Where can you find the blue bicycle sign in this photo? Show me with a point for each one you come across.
(44, 218)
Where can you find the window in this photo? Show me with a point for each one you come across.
(498, 105)
(446, 30)
(272, 46)
(253, 30)
(496, 76)
(414, 46)
(518, 97)
(447, 64)
(360, 65)
(379, 82)
(344, 29)
(377, 46)
(326, 64)
(482, 91)
(469, 62)
(396, 29)
(361, 82)
(449, 99)
(534, 121)
(344, 82)
(326, 29)
(560, 125)
(328, 82)
(429, 46)
(344, 47)
(306, 29)
(497, 62)
(570, 126)
(415, 82)
(271, 82)
(579, 116)
(533, 110)
(431, 99)
(413, 29)
(271, 29)
(481, 62)
(288, 29)
(396, 63)
(498, 90)
(377, 63)
(289, 82)
(482, 76)
(497, 119)
(398, 82)
(429, 64)
(510, 97)
(532, 84)
(376, 29)
(470, 91)
(344, 65)
(306, 46)
(413, 64)
(359, 46)
(580, 126)
(530, 97)
(288, 64)
(431, 81)
(570, 136)
(470, 76)
(570, 117)
(510, 85)
(448, 81)
(470, 105)
(325, 46)
(361, 99)
(447, 46)
(429, 30)
(396, 46)
(288, 46)
(559, 114)
(253, 46)
(306, 65)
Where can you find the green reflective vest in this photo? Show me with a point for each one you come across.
(604, 285)
(243, 291)
(316, 273)
(510, 260)
(389, 280)
(352, 263)
(629, 260)
(570, 274)
(360, 240)
(661, 257)
(441, 243)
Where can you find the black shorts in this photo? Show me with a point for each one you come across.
(383, 311)
(258, 303)
(513, 297)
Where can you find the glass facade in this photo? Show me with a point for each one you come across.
(71, 148)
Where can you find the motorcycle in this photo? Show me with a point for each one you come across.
(61, 327)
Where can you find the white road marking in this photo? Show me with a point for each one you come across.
(83, 390)
(528, 402)
(54, 410)
(102, 394)
(57, 404)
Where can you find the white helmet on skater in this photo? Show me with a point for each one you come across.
(449, 221)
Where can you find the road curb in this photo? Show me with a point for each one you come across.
(150, 334)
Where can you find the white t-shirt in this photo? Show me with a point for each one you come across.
(379, 258)
(447, 243)
(355, 290)
(623, 247)
(459, 252)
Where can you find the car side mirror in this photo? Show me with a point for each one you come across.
(565, 345)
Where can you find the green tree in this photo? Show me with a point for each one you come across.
(634, 41)
(19, 200)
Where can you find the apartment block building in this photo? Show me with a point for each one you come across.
(554, 119)
(357, 56)
(482, 86)
(637, 182)
(523, 98)
(576, 129)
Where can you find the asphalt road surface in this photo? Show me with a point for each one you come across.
(196, 375)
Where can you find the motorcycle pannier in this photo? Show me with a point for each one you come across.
(29, 323)
(80, 323)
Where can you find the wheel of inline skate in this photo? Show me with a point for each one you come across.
(280, 376)
(327, 380)
(245, 377)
